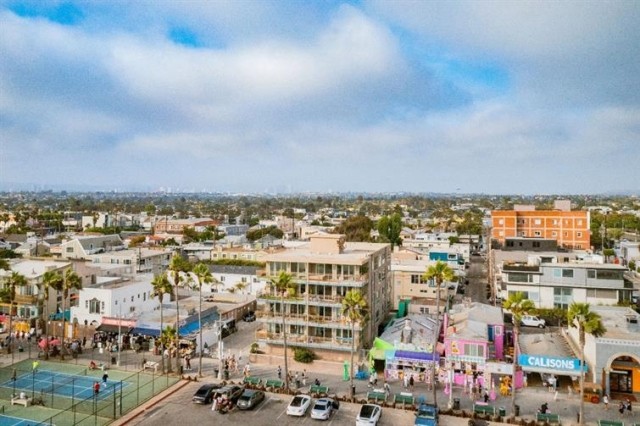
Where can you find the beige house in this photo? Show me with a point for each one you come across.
(324, 269)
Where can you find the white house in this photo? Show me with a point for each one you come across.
(115, 297)
(236, 279)
(82, 247)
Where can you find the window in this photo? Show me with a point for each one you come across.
(602, 294)
(537, 233)
(579, 234)
(519, 278)
(144, 297)
(562, 297)
(509, 243)
(567, 273)
(132, 298)
(473, 350)
(69, 249)
(94, 306)
(501, 222)
(501, 233)
(222, 278)
(536, 244)
(554, 234)
(417, 279)
(537, 222)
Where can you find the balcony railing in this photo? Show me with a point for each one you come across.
(305, 319)
(307, 341)
(520, 268)
(25, 300)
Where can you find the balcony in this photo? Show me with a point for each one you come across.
(305, 319)
(25, 300)
(520, 268)
(332, 343)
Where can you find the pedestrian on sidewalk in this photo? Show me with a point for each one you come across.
(187, 360)
(279, 373)
(605, 401)
(411, 383)
(387, 390)
(621, 408)
(304, 377)
(629, 407)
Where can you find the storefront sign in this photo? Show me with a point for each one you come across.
(549, 363)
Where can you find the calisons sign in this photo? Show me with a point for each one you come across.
(550, 363)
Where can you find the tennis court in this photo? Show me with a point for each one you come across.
(18, 421)
(63, 384)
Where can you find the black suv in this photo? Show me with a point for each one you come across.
(204, 395)
(232, 393)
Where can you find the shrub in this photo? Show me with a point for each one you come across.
(304, 355)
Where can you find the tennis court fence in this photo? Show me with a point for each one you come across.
(123, 393)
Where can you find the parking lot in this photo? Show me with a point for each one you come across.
(178, 409)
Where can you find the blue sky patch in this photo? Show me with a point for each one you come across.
(184, 36)
(64, 13)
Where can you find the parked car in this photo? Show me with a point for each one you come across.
(427, 415)
(369, 415)
(299, 405)
(533, 321)
(323, 408)
(204, 395)
(249, 316)
(250, 398)
(231, 392)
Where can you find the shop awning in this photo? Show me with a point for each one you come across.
(417, 356)
(113, 328)
(153, 332)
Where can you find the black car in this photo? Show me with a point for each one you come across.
(250, 398)
(249, 316)
(204, 395)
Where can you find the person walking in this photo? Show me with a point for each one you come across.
(621, 408)
(105, 377)
(605, 401)
(34, 366)
(411, 383)
(96, 388)
(187, 360)
(279, 373)
(628, 407)
(387, 390)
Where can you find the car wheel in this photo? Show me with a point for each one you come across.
(541, 326)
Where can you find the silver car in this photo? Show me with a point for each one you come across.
(323, 408)
(250, 398)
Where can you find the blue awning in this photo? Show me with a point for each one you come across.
(188, 328)
(146, 331)
(418, 356)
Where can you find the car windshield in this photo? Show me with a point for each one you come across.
(202, 391)
(245, 397)
(425, 414)
(367, 411)
(297, 401)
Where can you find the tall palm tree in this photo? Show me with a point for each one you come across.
(177, 269)
(518, 305)
(284, 286)
(203, 276)
(587, 321)
(50, 279)
(70, 281)
(161, 286)
(440, 272)
(14, 281)
(354, 307)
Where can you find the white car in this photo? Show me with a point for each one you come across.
(532, 321)
(298, 405)
(369, 415)
(323, 408)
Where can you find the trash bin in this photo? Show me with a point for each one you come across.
(517, 411)
(456, 403)
(502, 411)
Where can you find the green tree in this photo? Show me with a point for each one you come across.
(355, 309)
(70, 281)
(389, 228)
(161, 286)
(356, 228)
(202, 276)
(168, 339)
(284, 286)
(582, 317)
(178, 269)
(14, 281)
(439, 272)
(519, 306)
(50, 280)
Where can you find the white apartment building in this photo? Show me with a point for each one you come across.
(323, 270)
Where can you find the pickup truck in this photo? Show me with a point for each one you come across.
(427, 415)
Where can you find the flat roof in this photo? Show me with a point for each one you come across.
(354, 253)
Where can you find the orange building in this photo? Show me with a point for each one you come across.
(571, 229)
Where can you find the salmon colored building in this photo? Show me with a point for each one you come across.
(571, 229)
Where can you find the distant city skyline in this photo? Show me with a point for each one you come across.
(514, 97)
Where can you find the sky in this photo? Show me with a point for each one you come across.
(499, 97)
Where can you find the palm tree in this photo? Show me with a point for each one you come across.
(50, 279)
(70, 281)
(587, 321)
(177, 268)
(161, 286)
(518, 305)
(167, 338)
(203, 276)
(354, 307)
(15, 280)
(284, 286)
(440, 272)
